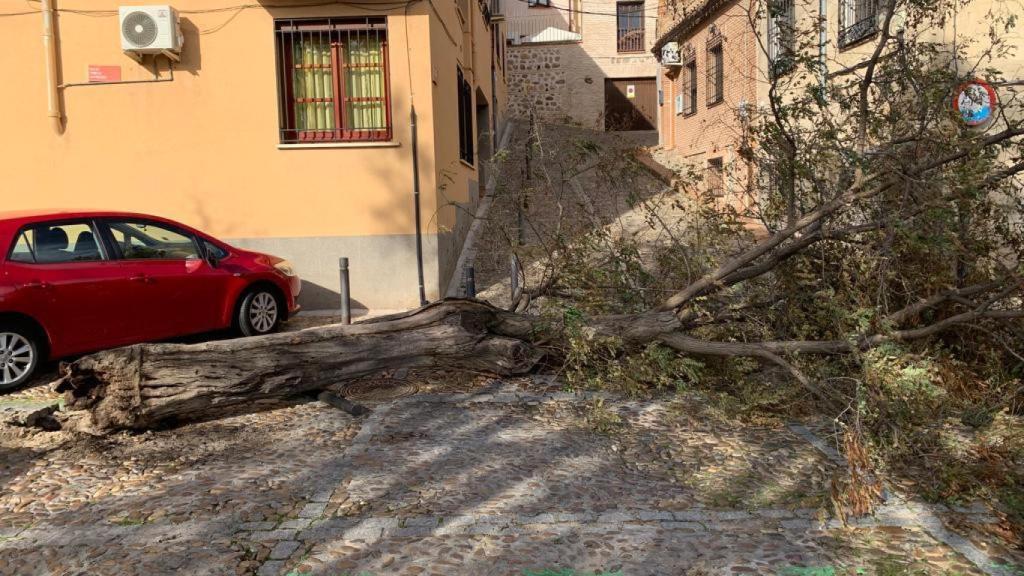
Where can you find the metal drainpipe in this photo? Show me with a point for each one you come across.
(416, 201)
(659, 90)
(823, 43)
(50, 48)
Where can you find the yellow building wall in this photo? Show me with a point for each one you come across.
(458, 182)
(205, 148)
(966, 28)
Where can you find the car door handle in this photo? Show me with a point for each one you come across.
(142, 278)
(37, 284)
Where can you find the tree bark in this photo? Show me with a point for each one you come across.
(145, 385)
(141, 386)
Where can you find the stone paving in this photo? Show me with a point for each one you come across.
(504, 481)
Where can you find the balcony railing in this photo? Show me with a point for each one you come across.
(781, 27)
(630, 19)
(631, 40)
(542, 28)
(859, 21)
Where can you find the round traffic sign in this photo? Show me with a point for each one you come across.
(975, 101)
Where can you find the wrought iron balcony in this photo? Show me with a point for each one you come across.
(860, 21)
(631, 40)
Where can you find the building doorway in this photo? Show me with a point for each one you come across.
(630, 104)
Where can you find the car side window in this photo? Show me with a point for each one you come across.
(22, 251)
(57, 243)
(149, 241)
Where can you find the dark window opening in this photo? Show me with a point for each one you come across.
(333, 80)
(715, 177)
(689, 88)
(716, 72)
(465, 96)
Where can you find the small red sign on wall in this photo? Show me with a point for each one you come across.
(104, 73)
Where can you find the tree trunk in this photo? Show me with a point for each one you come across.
(140, 386)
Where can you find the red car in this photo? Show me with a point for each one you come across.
(77, 282)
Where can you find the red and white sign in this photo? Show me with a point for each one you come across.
(975, 101)
(104, 73)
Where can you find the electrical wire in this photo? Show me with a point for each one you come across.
(377, 7)
(368, 6)
(363, 4)
(223, 24)
(320, 3)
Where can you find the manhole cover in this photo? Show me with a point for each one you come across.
(377, 390)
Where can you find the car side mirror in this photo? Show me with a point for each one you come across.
(211, 255)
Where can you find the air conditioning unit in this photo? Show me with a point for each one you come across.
(150, 30)
(670, 55)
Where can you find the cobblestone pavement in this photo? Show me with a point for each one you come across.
(499, 482)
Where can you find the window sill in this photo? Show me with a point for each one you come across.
(715, 103)
(300, 146)
(467, 164)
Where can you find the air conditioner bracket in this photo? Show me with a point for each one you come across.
(172, 56)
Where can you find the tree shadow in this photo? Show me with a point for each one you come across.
(468, 487)
(497, 465)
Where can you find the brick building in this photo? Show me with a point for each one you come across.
(708, 96)
(720, 54)
(588, 65)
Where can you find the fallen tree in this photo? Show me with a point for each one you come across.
(884, 221)
(141, 386)
(144, 385)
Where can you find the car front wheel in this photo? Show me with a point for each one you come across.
(19, 356)
(260, 313)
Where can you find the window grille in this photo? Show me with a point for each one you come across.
(333, 80)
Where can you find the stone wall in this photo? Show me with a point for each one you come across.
(564, 82)
(537, 81)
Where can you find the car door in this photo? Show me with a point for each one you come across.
(67, 280)
(180, 292)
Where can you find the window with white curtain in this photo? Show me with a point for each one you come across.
(333, 79)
